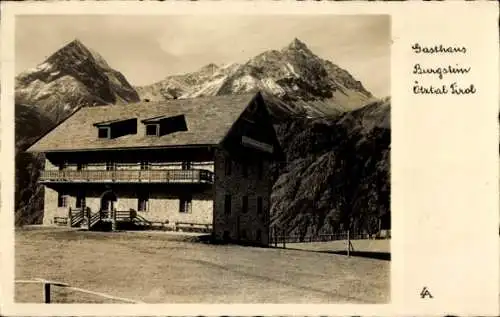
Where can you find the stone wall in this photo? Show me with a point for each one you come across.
(238, 225)
(165, 207)
(51, 208)
(163, 202)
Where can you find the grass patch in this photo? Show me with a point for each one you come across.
(168, 268)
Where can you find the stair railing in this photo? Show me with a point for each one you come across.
(94, 219)
(75, 216)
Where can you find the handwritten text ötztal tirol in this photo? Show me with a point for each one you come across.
(453, 75)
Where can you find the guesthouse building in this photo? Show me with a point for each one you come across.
(184, 163)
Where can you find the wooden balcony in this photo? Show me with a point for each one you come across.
(177, 176)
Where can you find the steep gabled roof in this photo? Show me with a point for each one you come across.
(208, 120)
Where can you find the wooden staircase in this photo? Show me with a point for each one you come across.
(141, 222)
(85, 219)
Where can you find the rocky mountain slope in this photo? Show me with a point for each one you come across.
(337, 173)
(71, 77)
(295, 74)
(30, 124)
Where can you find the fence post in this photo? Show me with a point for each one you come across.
(113, 219)
(284, 238)
(70, 217)
(46, 293)
(275, 238)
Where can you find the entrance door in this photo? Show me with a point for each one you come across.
(80, 200)
(106, 204)
(108, 200)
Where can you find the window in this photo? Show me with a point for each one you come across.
(81, 166)
(103, 132)
(63, 165)
(163, 125)
(227, 205)
(152, 129)
(244, 170)
(186, 165)
(143, 202)
(144, 165)
(80, 200)
(244, 204)
(227, 167)
(62, 200)
(110, 166)
(185, 205)
(259, 205)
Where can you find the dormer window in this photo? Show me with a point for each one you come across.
(103, 132)
(163, 125)
(153, 129)
(116, 128)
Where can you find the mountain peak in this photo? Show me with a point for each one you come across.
(75, 42)
(76, 45)
(297, 44)
(307, 82)
(210, 68)
(74, 50)
(73, 76)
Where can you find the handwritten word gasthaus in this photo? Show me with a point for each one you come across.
(440, 71)
(438, 49)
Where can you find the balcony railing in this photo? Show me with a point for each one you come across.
(128, 176)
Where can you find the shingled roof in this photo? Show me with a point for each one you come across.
(208, 120)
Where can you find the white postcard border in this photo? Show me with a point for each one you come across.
(413, 258)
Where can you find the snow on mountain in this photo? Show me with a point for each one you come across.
(294, 74)
(204, 82)
(71, 77)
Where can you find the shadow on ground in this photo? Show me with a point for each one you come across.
(365, 254)
(386, 256)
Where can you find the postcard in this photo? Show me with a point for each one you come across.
(250, 158)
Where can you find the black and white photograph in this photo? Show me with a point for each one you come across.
(213, 159)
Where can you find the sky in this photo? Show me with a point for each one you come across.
(146, 49)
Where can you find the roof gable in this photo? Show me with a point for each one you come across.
(208, 120)
(253, 134)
